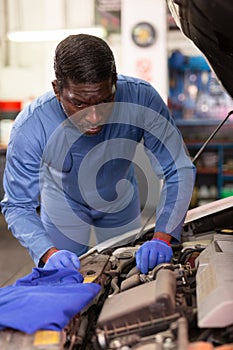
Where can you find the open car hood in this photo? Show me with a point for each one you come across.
(209, 25)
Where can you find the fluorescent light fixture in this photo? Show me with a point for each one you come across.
(53, 35)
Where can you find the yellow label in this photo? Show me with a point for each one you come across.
(46, 338)
(89, 279)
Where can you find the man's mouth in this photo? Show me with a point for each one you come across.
(93, 130)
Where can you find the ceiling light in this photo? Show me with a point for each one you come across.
(53, 35)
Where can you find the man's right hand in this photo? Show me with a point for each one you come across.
(62, 259)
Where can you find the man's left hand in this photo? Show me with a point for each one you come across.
(153, 253)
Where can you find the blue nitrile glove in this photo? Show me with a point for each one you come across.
(61, 259)
(153, 253)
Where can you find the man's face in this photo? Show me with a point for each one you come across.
(88, 105)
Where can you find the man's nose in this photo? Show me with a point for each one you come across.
(93, 115)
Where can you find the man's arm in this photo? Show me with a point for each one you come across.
(172, 164)
(21, 186)
(163, 236)
(45, 257)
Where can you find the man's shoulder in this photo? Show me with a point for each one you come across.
(39, 104)
(39, 111)
(132, 81)
(43, 100)
(134, 90)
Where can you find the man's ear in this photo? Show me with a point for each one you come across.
(114, 80)
(55, 89)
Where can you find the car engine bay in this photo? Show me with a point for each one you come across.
(186, 302)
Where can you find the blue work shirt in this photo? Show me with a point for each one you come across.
(79, 179)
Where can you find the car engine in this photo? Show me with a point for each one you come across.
(187, 302)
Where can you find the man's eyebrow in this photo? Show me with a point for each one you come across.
(75, 100)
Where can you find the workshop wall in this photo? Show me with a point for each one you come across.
(27, 68)
(141, 35)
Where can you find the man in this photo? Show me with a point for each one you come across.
(71, 152)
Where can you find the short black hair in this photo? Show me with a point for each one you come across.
(83, 58)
